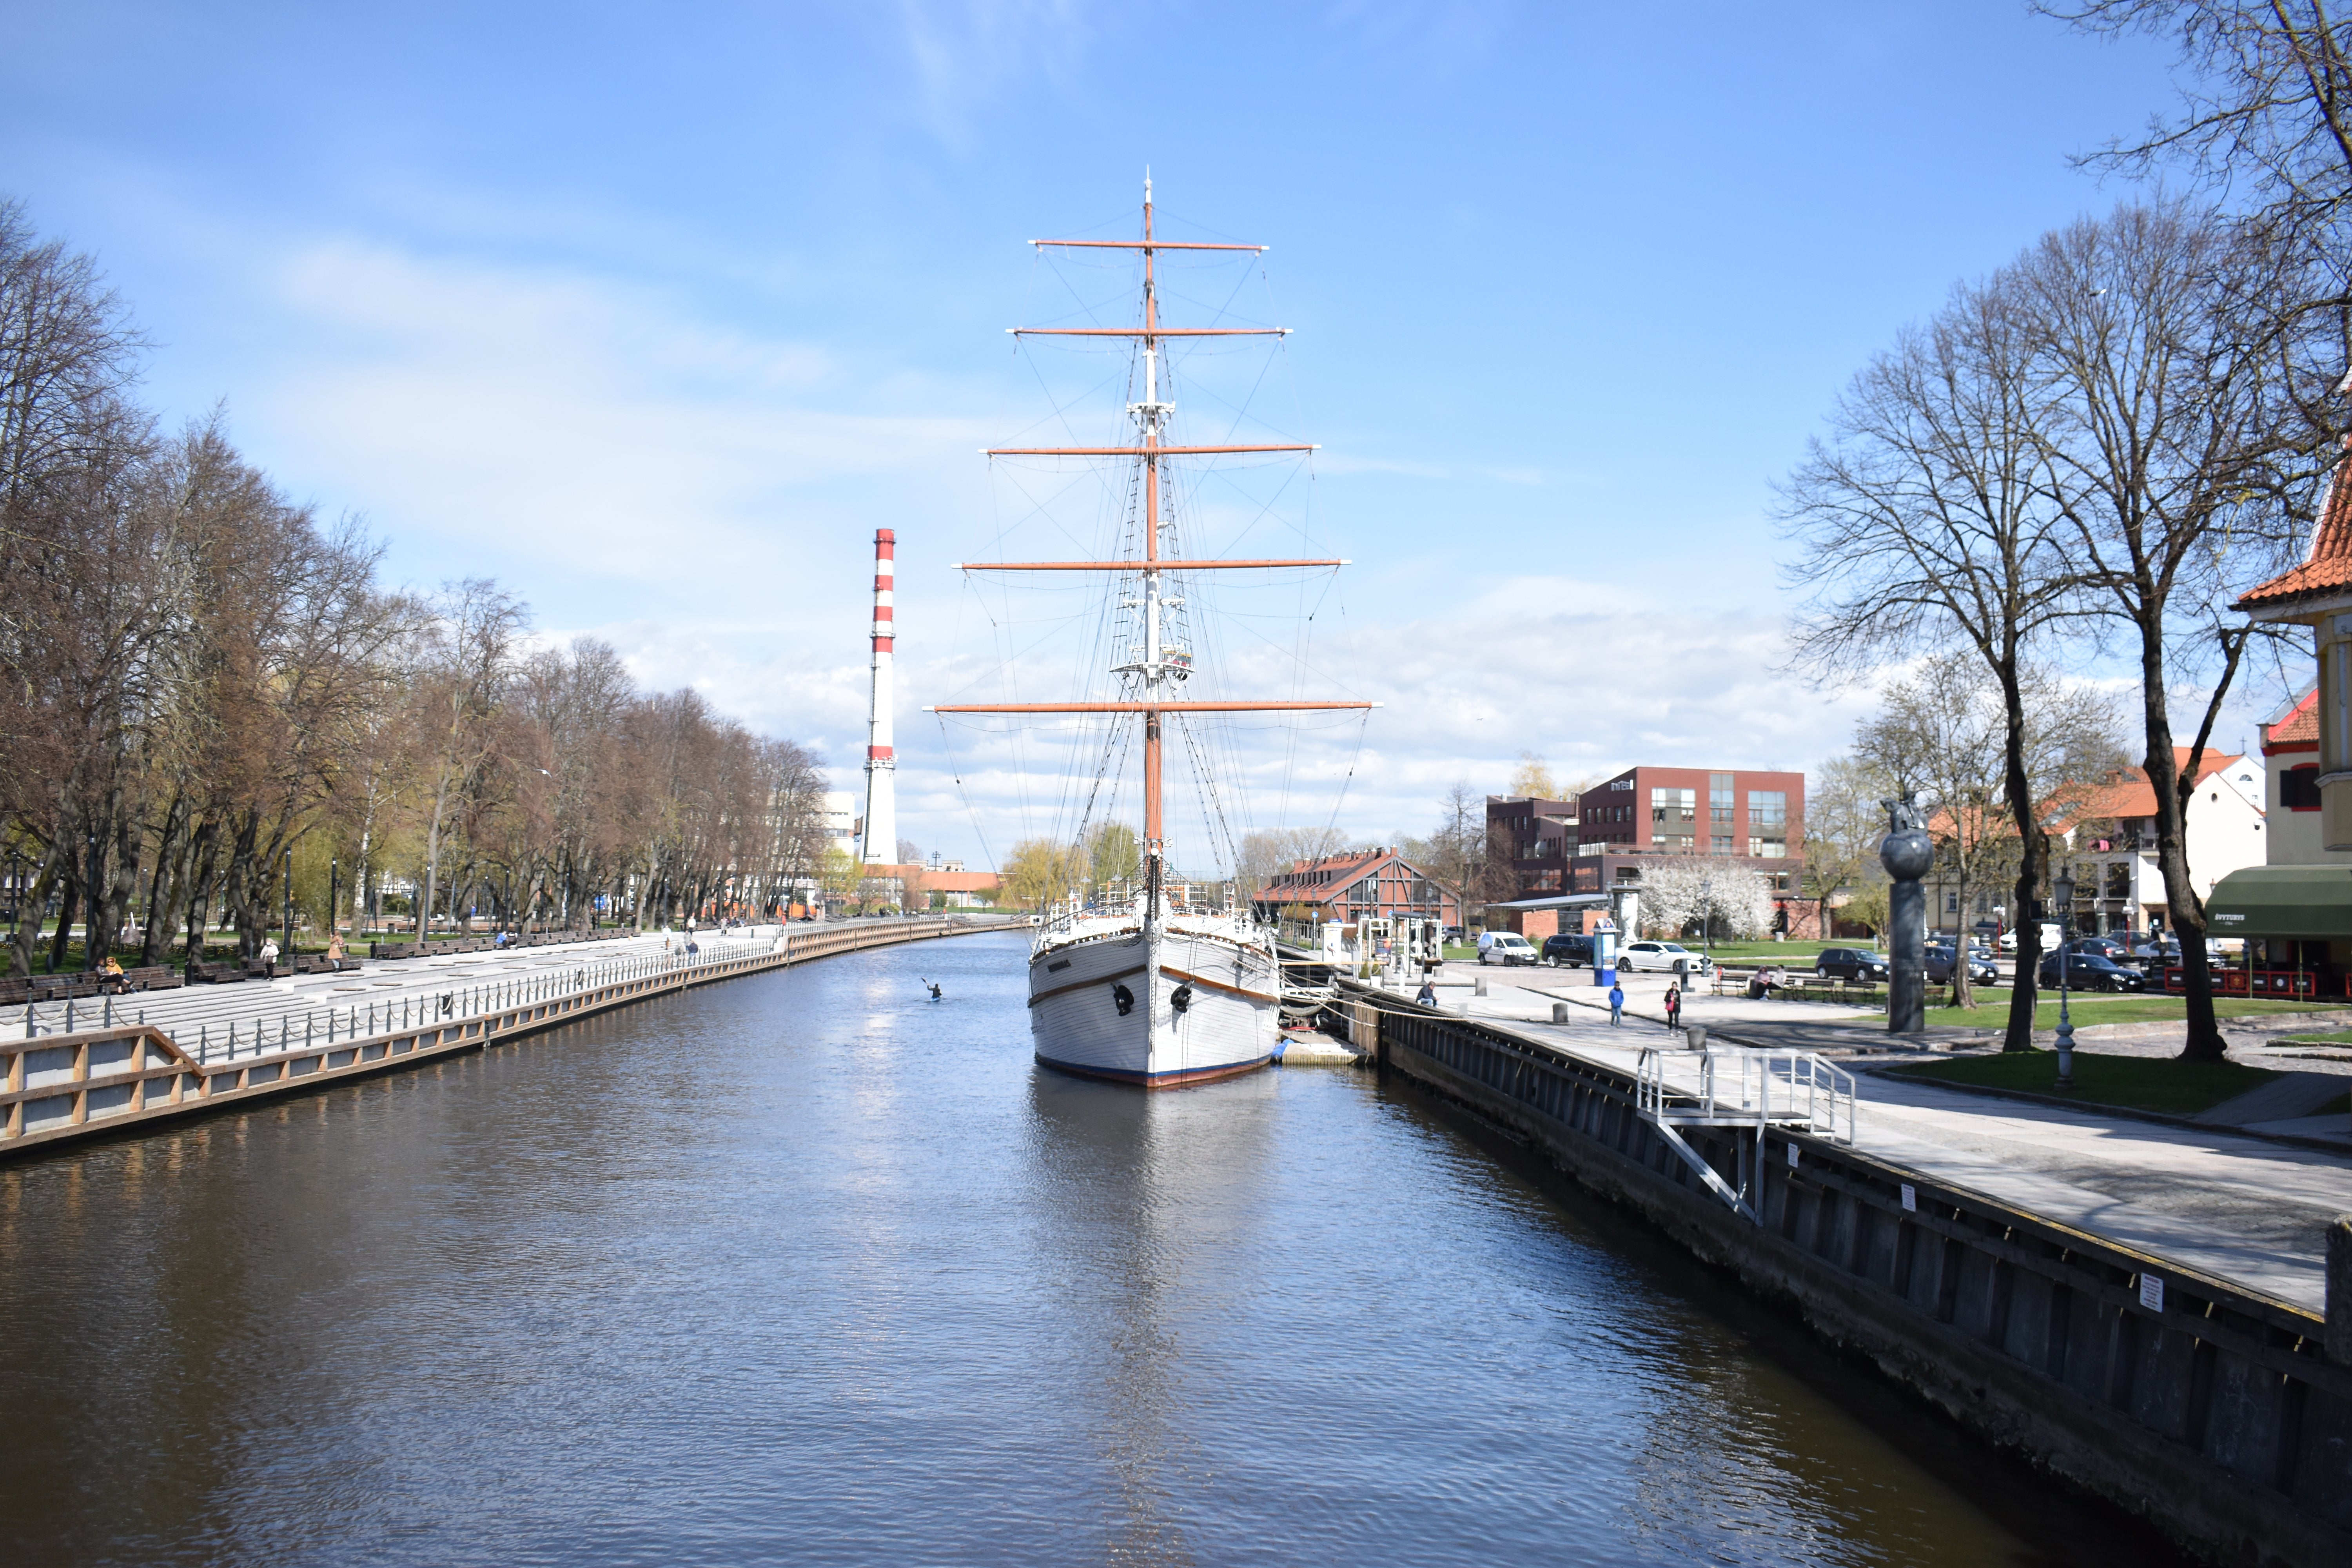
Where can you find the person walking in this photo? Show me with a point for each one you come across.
(1616, 1005)
(1674, 1006)
(269, 955)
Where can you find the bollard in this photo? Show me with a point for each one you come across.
(1560, 1011)
(2338, 1336)
(1478, 986)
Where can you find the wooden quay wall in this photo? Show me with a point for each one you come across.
(2220, 1416)
(60, 1088)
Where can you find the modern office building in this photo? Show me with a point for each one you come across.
(1601, 840)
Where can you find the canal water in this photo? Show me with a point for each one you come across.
(808, 1268)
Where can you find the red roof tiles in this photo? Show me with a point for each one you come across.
(2327, 570)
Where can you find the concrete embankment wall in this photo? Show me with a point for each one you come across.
(2212, 1412)
(58, 1089)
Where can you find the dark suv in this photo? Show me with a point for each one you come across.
(1567, 951)
(2090, 972)
(1850, 963)
(1940, 959)
(2104, 947)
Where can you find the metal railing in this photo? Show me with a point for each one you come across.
(1797, 1089)
(273, 1032)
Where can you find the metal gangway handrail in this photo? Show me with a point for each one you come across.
(1746, 1090)
(1739, 1087)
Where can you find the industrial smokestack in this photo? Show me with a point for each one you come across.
(881, 761)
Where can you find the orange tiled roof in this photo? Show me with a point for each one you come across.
(2124, 792)
(2128, 793)
(2300, 728)
(2328, 568)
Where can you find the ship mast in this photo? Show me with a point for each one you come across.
(1155, 672)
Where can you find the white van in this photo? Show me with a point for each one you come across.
(1506, 948)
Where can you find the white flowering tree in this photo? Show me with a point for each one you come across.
(1679, 892)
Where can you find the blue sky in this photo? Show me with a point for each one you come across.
(656, 313)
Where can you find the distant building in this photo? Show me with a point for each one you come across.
(840, 819)
(2291, 790)
(1357, 885)
(1575, 849)
(2107, 839)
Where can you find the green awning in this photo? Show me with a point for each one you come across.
(2307, 902)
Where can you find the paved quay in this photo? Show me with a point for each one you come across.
(2211, 1198)
(265, 1013)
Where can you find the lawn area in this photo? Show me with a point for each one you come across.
(1782, 952)
(2319, 1038)
(1992, 1010)
(2143, 1083)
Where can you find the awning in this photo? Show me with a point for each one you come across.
(2308, 902)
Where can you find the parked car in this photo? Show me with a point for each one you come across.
(1982, 969)
(2161, 948)
(1506, 948)
(1640, 955)
(1850, 963)
(2051, 937)
(2100, 947)
(2091, 972)
(1567, 951)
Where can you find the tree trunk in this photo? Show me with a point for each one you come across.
(2034, 849)
(68, 904)
(164, 887)
(432, 858)
(2204, 1043)
(31, 902)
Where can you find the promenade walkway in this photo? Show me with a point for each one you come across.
(2245, 1209)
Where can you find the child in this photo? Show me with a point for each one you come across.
(1616, 1005)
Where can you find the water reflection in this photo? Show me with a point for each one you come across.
(809, 1268)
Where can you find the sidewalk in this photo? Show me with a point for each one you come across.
(2248, 1211)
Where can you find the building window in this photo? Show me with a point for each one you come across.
(1768, 823)
(1767, 849)
(1678, 807)
(1718, 801)
(2299, 788)
(1720, 843)
(1951, 903)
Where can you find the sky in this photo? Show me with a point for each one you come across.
(656, 313)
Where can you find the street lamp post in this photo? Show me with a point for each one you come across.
(2062, 887)
(286, 872)
(335, 895)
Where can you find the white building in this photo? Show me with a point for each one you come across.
(2291, 755)
(2111, 844)
(841, 823)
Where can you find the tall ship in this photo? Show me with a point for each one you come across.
(1143, 985)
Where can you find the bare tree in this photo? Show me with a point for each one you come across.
(1923, 526)
(1843, 826)
(2175, 455)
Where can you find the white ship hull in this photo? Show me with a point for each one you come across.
(1188, 1001)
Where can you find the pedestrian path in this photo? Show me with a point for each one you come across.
(257, 1017)
(2211, 1198)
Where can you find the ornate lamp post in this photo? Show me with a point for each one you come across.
(1907, 852)
(2061, 889)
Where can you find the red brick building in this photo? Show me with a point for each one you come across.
(1600, 840)
(1359, 884)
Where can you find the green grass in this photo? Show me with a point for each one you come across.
(2142, 1083)
(1782, 950)
(1993, 1010)
(2330, 1037)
